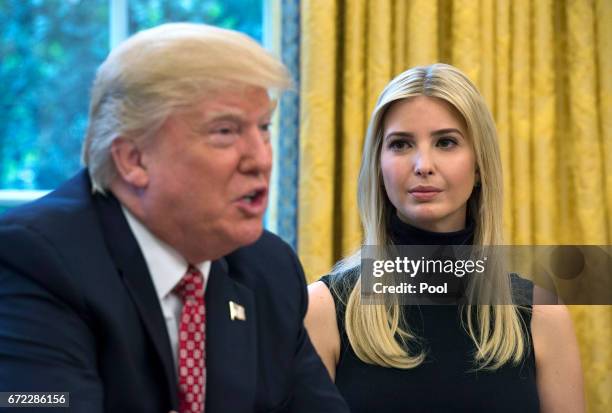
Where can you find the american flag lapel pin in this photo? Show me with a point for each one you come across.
(236, 311)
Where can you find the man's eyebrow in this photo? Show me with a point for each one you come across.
(227, 114)
(234, 115)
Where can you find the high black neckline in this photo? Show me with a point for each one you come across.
(406, 234)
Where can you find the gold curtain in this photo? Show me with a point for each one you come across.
(544, 67)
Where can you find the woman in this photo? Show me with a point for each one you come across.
(431, 175)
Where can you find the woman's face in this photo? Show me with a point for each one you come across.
(428, 164)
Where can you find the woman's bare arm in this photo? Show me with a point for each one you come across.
(559, 374)
(322, 327)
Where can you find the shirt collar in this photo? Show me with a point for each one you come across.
(166, 266)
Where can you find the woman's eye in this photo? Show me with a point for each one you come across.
(446, 142)
(398, 145)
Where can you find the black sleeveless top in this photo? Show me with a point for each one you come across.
(446, 381)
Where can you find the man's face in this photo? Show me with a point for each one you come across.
(208, 173)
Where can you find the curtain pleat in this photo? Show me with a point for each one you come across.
(420, 34)
(545, 182)
(378, 64)
(588, 177)
(318, 131)
(603, 13)
(501, 102)
(520, 120)
(353, 124)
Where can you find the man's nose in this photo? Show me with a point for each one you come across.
(257, 155)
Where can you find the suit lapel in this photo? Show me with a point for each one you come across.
(231, 345)
(131, 265)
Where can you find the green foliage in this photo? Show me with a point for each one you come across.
(243, 15)
(49, 52)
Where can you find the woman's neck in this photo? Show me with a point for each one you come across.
(403, 233)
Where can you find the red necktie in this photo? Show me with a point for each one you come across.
(192, 339)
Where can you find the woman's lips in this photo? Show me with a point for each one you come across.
(424, 193)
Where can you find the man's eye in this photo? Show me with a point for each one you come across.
(225, 131)
(223, 136)
(265, 127)
(446, 142)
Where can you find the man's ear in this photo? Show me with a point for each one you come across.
(128, 162)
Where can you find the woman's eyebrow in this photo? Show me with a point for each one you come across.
(436, 133)
(446, 131)
(400, 134)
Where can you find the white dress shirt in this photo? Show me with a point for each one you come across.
(167, 267)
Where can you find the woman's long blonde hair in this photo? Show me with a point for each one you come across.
(378, 333)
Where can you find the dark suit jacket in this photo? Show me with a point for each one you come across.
(79, 313)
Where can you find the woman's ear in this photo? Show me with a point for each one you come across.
(127, 157)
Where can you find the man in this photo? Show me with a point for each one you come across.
(102, 282)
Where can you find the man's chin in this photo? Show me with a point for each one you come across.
(249, 236)
(231, 238)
